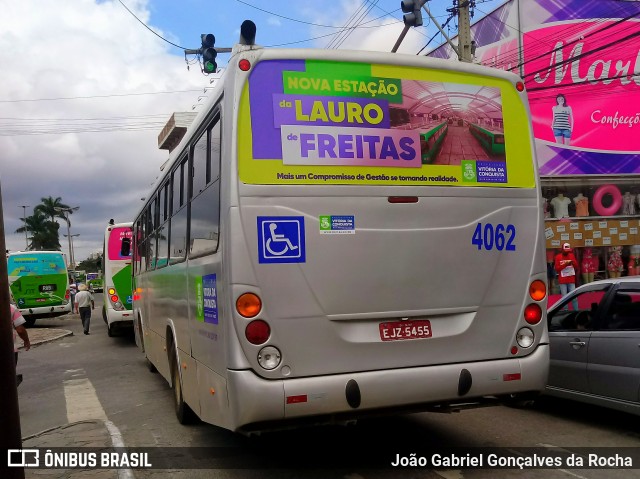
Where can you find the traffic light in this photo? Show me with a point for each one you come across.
(413, 12)
(209, 53)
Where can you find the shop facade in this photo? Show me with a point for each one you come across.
(579, 61)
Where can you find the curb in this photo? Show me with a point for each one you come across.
(60, 333)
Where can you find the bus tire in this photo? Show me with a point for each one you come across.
(150, 366)
(184, 413)
(110, 330)
(30, 321)
(104, 315)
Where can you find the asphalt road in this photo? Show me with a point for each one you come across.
(81, 376)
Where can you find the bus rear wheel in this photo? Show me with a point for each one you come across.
(30, 321)
(184, 413)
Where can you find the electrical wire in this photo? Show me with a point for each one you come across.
(145, 26)
(100, 96)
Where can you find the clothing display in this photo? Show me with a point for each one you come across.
(590, 262)
(628, 204)
(561, 206)
(582, 205)
(615, 259)
(545, 207)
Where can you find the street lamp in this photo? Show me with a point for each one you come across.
(66, 212)
(24, 217)
(72, 249)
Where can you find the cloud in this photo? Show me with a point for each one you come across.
(98, 150)
(274, 21)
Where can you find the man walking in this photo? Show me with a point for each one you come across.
(84, 305)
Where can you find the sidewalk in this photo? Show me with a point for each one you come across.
(90, 433)
(44, 335)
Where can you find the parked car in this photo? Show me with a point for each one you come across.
(595, 350)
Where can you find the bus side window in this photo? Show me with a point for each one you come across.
(200, 165)
(205, 206)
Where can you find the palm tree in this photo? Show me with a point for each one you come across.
(48, 206)
(44, 233)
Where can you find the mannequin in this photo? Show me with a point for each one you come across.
(545, 207)
(614, 265)
(589, 265)
(634, 261)
(582, 205)
(628, 204)
(561, 206)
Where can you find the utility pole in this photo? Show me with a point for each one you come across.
(465, 53)
(24, 217)
(10, 434)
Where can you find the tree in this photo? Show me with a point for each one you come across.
(44, 233)
(48, 206)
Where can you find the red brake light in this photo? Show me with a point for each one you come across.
(114, 298)
(257, 332)
(244, 65)
(532, 314)
(520, 86)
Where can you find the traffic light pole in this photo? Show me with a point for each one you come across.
(435, 22)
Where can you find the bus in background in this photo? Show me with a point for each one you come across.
(116, 281)
(94, 281)
(296, 261)
(39, 284)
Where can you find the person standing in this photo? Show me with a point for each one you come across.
(566, 265)
(72, 292)
(18, 327)
(84, 304)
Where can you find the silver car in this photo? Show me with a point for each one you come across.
(595, 344)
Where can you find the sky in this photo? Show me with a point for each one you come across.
(87, 85)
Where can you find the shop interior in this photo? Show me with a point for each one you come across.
(600, 218)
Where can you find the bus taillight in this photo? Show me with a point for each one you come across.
(537, 290)
(248, 305)
(533, 314)
(257, 332)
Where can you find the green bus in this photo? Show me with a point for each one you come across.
(39, 284)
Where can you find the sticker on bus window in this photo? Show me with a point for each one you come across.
(281, 239)
(207, 299)
(335, 123)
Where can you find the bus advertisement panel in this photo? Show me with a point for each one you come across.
(579, 61)
(374, 124)
(39, 283)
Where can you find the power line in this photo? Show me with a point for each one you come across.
(101, 96)
(145, 26)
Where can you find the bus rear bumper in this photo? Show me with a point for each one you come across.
(261, 402)
(47, 310)
(120, 317)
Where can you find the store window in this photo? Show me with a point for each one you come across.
(600, 218)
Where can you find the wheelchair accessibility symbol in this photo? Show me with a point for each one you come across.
(281, 239)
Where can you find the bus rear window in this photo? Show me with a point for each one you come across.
(120, 243)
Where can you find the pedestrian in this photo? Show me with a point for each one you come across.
(18, 327)
(84, 304)
(72, 292)
(566, 264)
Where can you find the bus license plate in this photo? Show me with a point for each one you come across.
(417, 329)
(45, 288)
